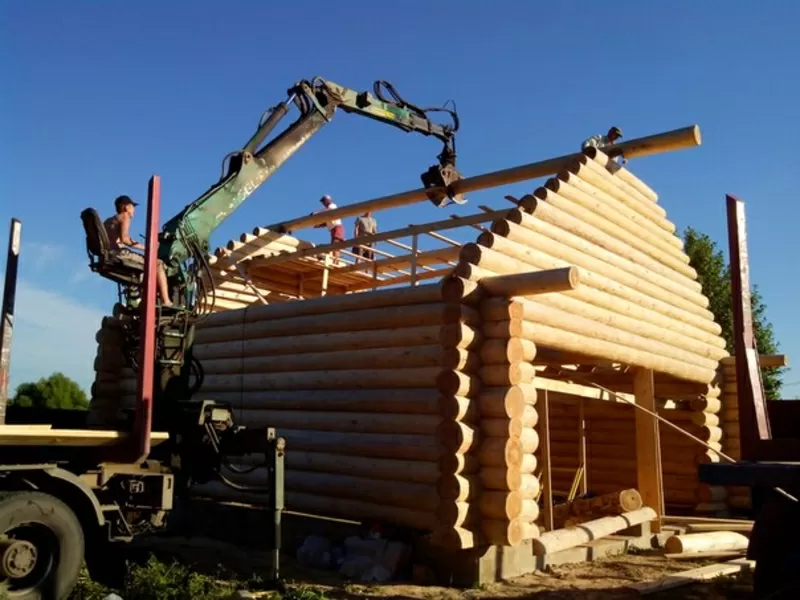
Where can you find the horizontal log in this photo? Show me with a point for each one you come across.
(342, 422)
(373, 445)
(317, 380)
(331, 304)
(508, 506)
(312, 343)
(621, 172)
(458, 488)
(412, 471)
(505, 427)
(501, 452)
(458, 408)
(705, 404)
(458, 464)
(457, 438)
(460, 335)
(704, 542)
(533, 282)
(458, 359)
(509, 480)
(506, 401)
(508, 533)
(517, 373)
(457, 514)
(372, 358)
(455, 383)
(512, 350)
(563, 539)
(458, 289)
(406, 401)
(360, 320)
(546, 335)
(547, 246)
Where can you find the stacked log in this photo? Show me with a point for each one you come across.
(110, 373)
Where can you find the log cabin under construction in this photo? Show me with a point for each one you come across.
(458, 388)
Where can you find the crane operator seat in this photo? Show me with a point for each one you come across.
(103, 260)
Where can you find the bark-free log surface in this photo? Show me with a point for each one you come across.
(533, 282)
(704, 542)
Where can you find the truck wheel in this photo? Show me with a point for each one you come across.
(41, 546)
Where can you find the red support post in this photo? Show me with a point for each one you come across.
(146, 376)
(7, 313)
(754, 424)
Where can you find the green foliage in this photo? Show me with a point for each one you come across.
(56, 391)
(714, 275)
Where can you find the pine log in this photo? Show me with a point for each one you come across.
(506, 401)
(458, 359)
(602, 230)
(549, 246)
(460, 335)
(457, 438)
(343, 422)
(494, 352)
(500, 452)
(300, 344)
(458, 464)
(331, 304)
(410, 471)
(562, 539)
(504, 427)
(457, 514)
(511, 480)
(458, 408)
(401, 401)
(508, 506)
(508, 533)
(573, 342)
(620, 172)
(706, 404)
(373, 358)
(705, 542)
(458, 289)
(323, 380)
(596, 287)
(517, 373)
(458, 488)
(532, 282)
(356, 320)
(372, 445)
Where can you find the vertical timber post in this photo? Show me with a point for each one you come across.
(7, 315)
(547, 471)
(648, 445)
(753, 419)
(414, 252)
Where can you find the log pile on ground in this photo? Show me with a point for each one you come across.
(417, 405)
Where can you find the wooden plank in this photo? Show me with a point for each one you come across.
(34, 435)
(648, 446)
(543, 407)
(764, 360)
(692, 576)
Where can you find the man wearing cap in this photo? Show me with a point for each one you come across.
(603, 141)
(334, 225)
(118, 229)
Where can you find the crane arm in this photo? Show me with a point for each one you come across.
(188, 233)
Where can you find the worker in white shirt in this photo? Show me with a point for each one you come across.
(334, 225)
(601, 142)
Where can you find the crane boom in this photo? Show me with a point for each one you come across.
(188, 233)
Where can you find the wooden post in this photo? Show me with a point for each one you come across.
(7, 314)
(584, 487)
(325, 273)
(300, 285)
(374, 275)
(544, 444)
(414, 251)
(753, 420)
(648, 446)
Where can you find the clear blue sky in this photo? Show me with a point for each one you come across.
(100, 95)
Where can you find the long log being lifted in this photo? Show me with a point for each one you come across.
(677, 139)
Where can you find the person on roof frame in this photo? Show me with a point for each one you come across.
(601, 142)
(365, 225)
(118, 229)
(334, 225)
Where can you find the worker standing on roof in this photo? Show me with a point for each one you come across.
(118, 229)
(365, 225)
(601, 142)
(334, 225)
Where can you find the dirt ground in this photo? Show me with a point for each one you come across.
(602, 579)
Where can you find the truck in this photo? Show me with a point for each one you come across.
(71, 494)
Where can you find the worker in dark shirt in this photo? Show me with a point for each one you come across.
(365, 225)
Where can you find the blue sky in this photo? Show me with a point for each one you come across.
(100, 95)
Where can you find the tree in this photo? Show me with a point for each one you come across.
(714, 274)
(56, 391)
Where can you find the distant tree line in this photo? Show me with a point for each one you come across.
(55, 391)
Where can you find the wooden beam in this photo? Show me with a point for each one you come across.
(648, 446)
(546, 483)
(262, 261)
(663, 142)
(432, 256)
(442, 238)
(764, 360)
(399, 280)
(754, 423)
(692, 576)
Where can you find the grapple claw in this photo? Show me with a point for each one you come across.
(438, 177)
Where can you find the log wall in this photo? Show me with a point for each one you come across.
(417, 405)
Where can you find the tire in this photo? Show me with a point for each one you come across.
(44, 522)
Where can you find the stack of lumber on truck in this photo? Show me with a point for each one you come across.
(418, 405)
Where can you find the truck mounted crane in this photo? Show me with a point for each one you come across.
(61, 502)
